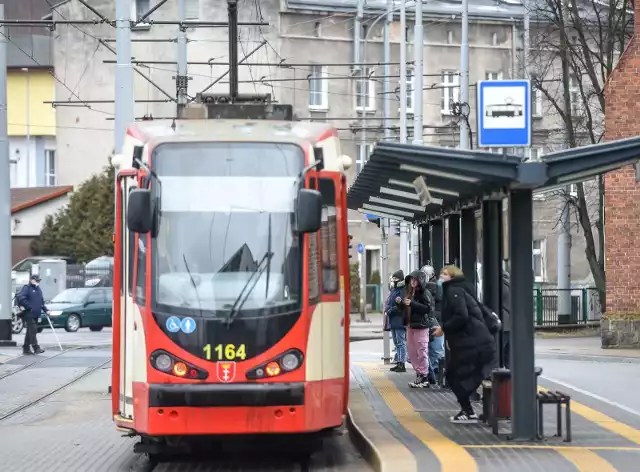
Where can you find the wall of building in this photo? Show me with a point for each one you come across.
(28, 222)
(26, 112)
(32, 161)
(622, 192)
(299, 37)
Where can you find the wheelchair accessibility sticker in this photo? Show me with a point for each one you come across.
(173, 324)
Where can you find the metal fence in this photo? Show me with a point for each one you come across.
(585, 307)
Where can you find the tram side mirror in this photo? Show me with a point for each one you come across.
(309, 211)
(139, 211)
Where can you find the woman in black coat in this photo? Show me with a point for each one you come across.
(472, 347)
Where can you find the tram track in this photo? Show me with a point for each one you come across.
(40, 398)
(36, 362)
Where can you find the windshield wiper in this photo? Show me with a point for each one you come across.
(266, 290)
(193, 282)
(242, 296)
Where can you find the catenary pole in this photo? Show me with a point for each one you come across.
(182, 80)
(384, 226)
(5, 200)
(464, 75)
(403, 263)
(124, 73)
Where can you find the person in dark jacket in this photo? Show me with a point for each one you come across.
(436, 343)
(394, 311)
(471, 345)
(31, 300)
(418, 305)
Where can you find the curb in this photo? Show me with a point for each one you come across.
(364, 445)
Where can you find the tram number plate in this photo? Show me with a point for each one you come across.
(225, 352)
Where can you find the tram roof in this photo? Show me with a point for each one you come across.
(459, 178)
(160, 131)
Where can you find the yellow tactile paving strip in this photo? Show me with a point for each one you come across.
(454, 457)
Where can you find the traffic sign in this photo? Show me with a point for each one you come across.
(360, 248)
(504, 113)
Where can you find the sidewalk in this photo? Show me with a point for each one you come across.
(398, 428)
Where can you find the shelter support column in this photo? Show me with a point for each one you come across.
(492, 260)
(491, 253)
(469, 245)
(523, 399)
(437, 245)
(454, 240)
(425, 244)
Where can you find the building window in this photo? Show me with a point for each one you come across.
(534, 153)
(573, 190)
(496, 150)
(494, 76)
(410, 91)
(494, 39)
(317, 29)
(536, 98)
(576, 97)
(362, 155)
(318, 88)
(450, 90)
(365, 91)
(449, 37)
(139, 8)
(539, 269)
(49, 167)
(191, 9)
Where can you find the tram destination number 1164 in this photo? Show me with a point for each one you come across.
(225, 352)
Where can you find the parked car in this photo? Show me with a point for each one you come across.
(77, 308)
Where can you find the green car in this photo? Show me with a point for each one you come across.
(77, 308)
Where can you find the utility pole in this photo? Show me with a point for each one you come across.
(124, 73)
(182, 81)
(403, 120)
(384, 226)
(232, 7)
(418, 51)
(5, 200)
(464, 77)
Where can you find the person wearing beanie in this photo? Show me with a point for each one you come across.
(396, 316)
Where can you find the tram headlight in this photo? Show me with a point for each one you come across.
(273, 369)
(290, 361)
(163, 362)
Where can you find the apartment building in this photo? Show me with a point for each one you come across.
(31, 122)
(307, 62)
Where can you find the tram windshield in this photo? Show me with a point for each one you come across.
(225, 237)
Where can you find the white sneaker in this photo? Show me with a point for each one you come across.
(464, 418)
(419, 382)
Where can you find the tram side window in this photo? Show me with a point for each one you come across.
(142, 268)
(314, 282)
(329, 237)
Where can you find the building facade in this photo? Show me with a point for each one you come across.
(307, 61)
(30, 83)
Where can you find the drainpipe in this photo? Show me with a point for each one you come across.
(357, 39)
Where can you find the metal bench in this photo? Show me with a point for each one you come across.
(555, 398)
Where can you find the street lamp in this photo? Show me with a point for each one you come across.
(28, 125)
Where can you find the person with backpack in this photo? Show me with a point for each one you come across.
(469, 328)
(436, 343)
(395, 312)
(418, 307)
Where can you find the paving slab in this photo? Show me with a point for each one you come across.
(419, 419)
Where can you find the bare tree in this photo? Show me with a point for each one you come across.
(575, 45)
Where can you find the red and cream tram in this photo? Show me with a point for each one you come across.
(231, 290)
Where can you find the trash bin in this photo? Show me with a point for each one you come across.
(501, 392)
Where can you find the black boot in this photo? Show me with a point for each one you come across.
(27, 352)
(399, 367)
(38, 350)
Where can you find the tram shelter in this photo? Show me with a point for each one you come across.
(460, 182)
